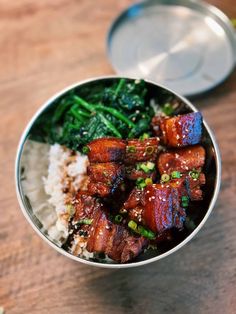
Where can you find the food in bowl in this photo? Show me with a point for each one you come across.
(125, 172)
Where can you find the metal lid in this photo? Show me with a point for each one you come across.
(187, 46)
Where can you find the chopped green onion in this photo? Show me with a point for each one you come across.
(148, 181)
(85, 221)
(85, 150)
(144, 136)
(185, 201)
(146, 233)
(165, 177)
(132, 225)
(194, 174)
(149, 150)
(150, 165)
(131, 149)
(123, 211)
(146, 167)
(168, 109)
(118, 218)
(140, 182)
(141, 230)
(175, 174)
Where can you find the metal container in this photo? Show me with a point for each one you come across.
(212, 169)
(187, 45)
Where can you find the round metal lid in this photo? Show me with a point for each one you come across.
(188, 46)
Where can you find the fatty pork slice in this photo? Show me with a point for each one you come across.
(106, 149)
(104, 178)
(182, 130)
(162, 210)
(113, 240)
(193, 187)
(84, 205)
(187, 186)
(141, 150)
(182, 159)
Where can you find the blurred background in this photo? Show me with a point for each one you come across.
(44, 47)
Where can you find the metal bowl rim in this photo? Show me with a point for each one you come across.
(115, 266)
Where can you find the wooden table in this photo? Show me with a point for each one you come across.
(45, 46)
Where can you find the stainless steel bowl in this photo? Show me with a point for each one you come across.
(212, 169)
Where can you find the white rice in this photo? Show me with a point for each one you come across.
(48, 169)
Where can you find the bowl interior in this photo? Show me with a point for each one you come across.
(32, 163)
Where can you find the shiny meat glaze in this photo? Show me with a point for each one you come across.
(108, 172)
(182, 130)
(84, 205)
(104, 178)
(135, 198)
(141, 150)
(113, 240)
(118, 166)
(106, 149)
(181, 159)
(162, 209)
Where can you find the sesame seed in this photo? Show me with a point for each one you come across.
(164, 199)
(177, 136)
(167, 165)
(176, 155)
(153, 197)
(149, 199)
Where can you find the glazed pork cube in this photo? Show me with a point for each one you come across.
(106, 150)
(141, 150)
(188, 186)
(193, 187)
(84, 206)
(135, 198)
(182, 159)
(100, 232)
(113, 240)
(162, 210)
(182, 130)
(107, 173)
(99, 189)
(104, 178)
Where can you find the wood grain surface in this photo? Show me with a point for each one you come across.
(44, 46)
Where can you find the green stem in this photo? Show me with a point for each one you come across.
(109, 125)
(76, 114)
(116, 114)
(112, 111)
(119, 86)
